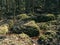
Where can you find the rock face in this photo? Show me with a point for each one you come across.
(21, 39)
(4, 28)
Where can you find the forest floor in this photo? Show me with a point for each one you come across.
(12, 39)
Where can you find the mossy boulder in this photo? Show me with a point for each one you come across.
(31, 28)
(4, 28)
(21, 39)
(44, 18)
(26, 37)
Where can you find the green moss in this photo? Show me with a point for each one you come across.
(51, 16)
(43, 37)
(4, 29)
(51, 33)
(26, 38)
(31, 28)
(16, 39)
(44, 18)
(32, 24)
(22, 16)
(11, 23)
(53, 22)
(44, 26)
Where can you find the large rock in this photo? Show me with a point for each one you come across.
(21, 39)
(31, 28)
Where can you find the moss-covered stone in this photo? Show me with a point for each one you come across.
(31, 28)
(21, 39)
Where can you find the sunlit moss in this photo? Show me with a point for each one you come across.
(4, 29)
(26, 39)
(31, 28)
(22, 16)
(51, 16)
